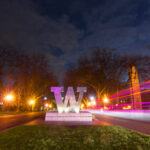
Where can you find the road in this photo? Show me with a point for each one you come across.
(139, 126)
(9, 121)
(101, 119)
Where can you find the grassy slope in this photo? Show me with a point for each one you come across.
(43, 137)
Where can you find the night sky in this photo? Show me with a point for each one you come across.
(63, 29)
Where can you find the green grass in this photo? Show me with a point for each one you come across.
(44, 137)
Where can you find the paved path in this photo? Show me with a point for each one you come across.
(9, 121)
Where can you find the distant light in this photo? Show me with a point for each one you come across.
(82, 106)
(101, 110)
(46, 105)
(45, 98)
(50, 105)
(106, 100)
(89, 103)
(92, 98)
(129, 107)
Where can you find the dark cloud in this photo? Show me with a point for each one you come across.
(122, 25)
(64, 29)
(23, 27)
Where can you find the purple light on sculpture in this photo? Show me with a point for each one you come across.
(70, 98)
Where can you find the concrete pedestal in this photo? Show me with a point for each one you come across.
(81, 116)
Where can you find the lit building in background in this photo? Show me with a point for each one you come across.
(135, 88)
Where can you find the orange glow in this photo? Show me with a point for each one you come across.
(82, 106)
(9, 97)
(46, 105)
(31, 102)
(105, 107)
(89, 104)
(50, 105)
(106, 100)
(127, 107)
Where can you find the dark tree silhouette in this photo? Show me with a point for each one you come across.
(105, 71)
(27, 75)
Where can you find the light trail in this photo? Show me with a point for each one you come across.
(126, 95)
(139, 115)
(147, 82)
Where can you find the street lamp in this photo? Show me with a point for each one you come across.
(8, 98)
(89, 104)
(50, 105)
(45, 98)
(32, 102)
(46, 105)
(105, 100)
(82, 106)
(92, 98)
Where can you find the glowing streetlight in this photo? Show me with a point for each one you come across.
(45, 98)
(32, 102)
(106, 100)
(82, 106)
(89, 104)
(92, 98)
(46, 105)
(9, 97)
(50, 105)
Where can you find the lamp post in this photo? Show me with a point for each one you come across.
(32, 102)
(8, 98)
(105, 100)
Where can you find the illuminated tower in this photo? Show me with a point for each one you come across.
(134, 88)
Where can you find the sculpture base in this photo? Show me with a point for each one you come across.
(80, 117)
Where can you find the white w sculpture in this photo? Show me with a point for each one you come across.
(62, 106)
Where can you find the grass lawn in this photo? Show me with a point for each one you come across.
(44, 137)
